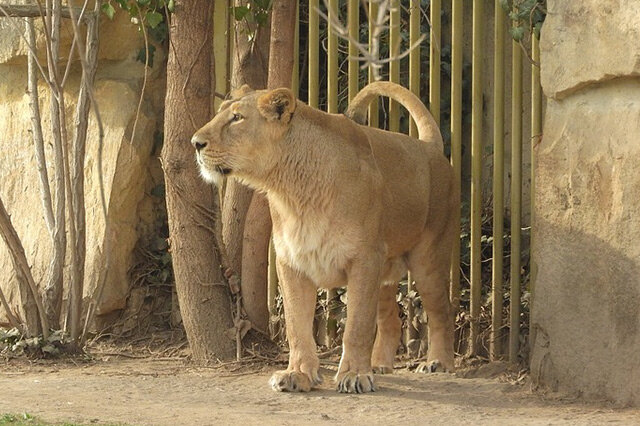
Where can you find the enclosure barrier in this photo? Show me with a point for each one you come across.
(331, 42)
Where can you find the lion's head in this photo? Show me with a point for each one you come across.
(242, 139)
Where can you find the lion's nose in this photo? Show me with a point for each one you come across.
(198, 143)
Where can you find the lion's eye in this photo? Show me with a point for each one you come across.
(237, 117)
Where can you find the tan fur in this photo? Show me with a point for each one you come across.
(351, 206)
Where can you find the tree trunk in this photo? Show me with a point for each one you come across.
(283, 31)
(250, 61)
(204, 299)
(255, 251)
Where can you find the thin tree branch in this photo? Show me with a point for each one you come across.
(54, 286)
(144, 78)
(12, 318)
(30, 11)
(77, 179)
(36, 128)
(28, 291)
(32, 50)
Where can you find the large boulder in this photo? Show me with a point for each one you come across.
(586, 259)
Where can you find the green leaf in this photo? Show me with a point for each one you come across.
(517, 33)
(536, 29)
(261, 18)
(171, 5)
(154, 19)
(239, 12)
(142, 55)
(108, 10)
(123, 4)
(506, 5)
(143, 2)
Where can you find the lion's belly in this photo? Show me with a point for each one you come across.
(311, 247)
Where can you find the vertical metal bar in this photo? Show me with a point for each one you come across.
(495, 346)
(536, 134)
(414, 86)
(373, 107)
(295, 75)
(332, 59)
(476, 173)
(414, 56)
(456, 134)
(394, 65)
(353, 12)
(516, 196)
(332, 107)
(434, 60)
(314, 77)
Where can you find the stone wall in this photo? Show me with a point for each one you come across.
(586, 306)
(130, 169)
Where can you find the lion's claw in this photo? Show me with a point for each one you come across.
(434, 366)
(356, 383)
(381, 369)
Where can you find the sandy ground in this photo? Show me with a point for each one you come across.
(161, 392)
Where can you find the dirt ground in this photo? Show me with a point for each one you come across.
(171, 392)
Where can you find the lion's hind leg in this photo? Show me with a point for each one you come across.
(429, 263)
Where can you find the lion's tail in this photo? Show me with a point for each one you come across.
(427, 128)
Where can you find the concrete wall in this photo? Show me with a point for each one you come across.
(586, 306)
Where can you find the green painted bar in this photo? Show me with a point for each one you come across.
(516, 199)
(314, 77)
(434, 58)
(353, 13)
(394, 66)
(373, 107)
(476, 173)
(456, 132)
(497, 284)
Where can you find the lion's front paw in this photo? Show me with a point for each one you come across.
(351, 382)
(434, 366)
(292, 381)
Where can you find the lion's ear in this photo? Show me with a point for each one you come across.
(277, 104)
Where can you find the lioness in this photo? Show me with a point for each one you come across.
(351, 206)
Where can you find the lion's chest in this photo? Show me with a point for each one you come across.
(309, 245)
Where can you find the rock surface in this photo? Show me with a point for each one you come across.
(586, 261)
(589, 41)
(128, 167)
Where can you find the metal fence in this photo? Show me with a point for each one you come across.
(321, 84)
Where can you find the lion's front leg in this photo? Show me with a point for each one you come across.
(299, 296)
(355, 374)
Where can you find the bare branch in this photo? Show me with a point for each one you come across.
(54, 284)
(12, 318)
(31, 48)
(73, 44)
(77, 179)
(36, 128)
(370, 54)
(30, 11)
(28, 291)
(146, 72)
(94, 104)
